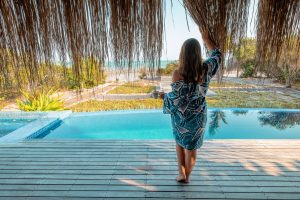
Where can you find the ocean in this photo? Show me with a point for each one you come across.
(136, 64)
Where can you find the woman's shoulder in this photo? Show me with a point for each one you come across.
(176, 76)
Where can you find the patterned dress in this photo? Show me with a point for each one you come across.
(187, 105)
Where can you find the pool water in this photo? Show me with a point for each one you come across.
(9, 125)
(153, 124)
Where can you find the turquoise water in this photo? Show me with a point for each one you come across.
(152, 124)
(9, 125)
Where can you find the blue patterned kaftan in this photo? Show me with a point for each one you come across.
(187, 105)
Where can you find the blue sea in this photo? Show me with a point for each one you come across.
(136, 64)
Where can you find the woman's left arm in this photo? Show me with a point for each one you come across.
(175, 77)
(214, 62)
(169, 105)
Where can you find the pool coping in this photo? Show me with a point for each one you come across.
(36, 127)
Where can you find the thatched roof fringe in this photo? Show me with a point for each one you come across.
(278, 23)
(225, 20)
(35, 30)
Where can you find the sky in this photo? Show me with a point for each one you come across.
(176, 29)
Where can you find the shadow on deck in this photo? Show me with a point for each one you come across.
(103, 169)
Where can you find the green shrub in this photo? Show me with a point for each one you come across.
(169, 69)
(248, 68)
(40, 101)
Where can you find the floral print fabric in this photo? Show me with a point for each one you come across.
(187, 105)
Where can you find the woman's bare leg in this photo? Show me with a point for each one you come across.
(181, 164)
(190, 161)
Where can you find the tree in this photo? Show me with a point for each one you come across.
(289, 63)
(93, 73)
(245, 55)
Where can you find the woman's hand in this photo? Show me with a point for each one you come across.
(207, 39)
(161, 95)
(204, 34)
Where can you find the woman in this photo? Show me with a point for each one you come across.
(186, 102)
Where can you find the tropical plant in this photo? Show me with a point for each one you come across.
(53, 74)
(245, 55)
(288, 68)
(42, 100)
(248, 67)
(93, 73)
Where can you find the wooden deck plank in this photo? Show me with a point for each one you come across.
(283, 196)
(200, 167)
(91, 169)
(197, 171)
(124, 157)
(104, 151)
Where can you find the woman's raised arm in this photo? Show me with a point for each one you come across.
(210, 44)
(214, 60)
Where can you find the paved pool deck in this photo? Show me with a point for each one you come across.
(139, 169)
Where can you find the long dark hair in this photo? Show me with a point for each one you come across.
(191, 67)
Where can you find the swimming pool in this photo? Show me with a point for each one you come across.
(15, 126)
(152, 124)
(9, 125)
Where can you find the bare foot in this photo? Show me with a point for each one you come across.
(187, 180)
(180, 178)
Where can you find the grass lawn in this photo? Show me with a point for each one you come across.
(224, 99)
(94, 105)
(215, 84)
(132, 88)
(238, 99)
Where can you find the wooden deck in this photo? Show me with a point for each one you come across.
(97, 169)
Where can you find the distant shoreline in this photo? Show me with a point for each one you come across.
(136, 64)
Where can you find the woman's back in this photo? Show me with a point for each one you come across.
(187, 104)
(191, 96)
